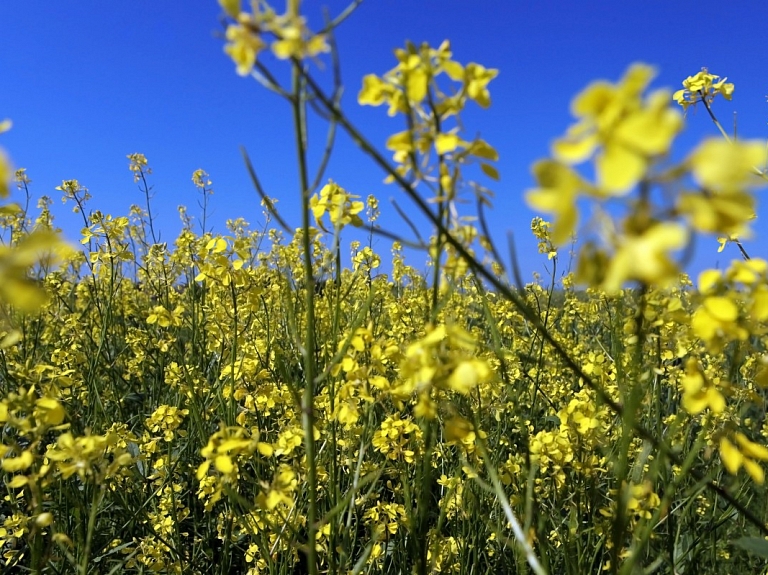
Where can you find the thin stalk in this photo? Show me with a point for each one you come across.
(517, 529)
(82, 568)
(307, 402)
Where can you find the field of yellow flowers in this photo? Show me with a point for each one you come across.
(243, 403)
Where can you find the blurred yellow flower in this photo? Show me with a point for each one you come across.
(623, 130)
(646, 257)
(243, 44)
(727, 167)
(558, 189)
(746, 454)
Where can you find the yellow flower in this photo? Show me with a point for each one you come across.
(467, 375)
(727, 167)
(445, 143)
(282, 489)
(476, 79)
(341, 206)
(702, 87)
(5, 164)
(243, 44)
(746, 454)
(138, 165)
(559, 187)
(698, 393)
(294, 39)
(49, 411)
(717, 320)
(645, 257)
(623, 131)
(82, 455)
(20, 463)
(374, 91)
(457, 428)
(726, 214)
(16, 287)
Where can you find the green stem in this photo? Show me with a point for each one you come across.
(714, 118)
(95, 504)
(307, 403)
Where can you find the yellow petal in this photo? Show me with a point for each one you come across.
(721, 165)
(373, 91)
(760, 303)
(755, 471)
(224, 464)
(20, 463)
(731, 456)
(464, 378)
(574, 151)
(619, 170)
(708, 279)
(416, 85)
(457, 428)
(445, 143)
(454, 70)
(721, 308)
(593, 100)
(751, 449)
(50, 411)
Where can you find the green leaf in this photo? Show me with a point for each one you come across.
(490, 171)
(754, 545)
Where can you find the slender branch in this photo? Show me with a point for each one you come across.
(308, 399)
(264, 197)
(346, 13)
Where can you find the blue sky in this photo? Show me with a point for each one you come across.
(88, 82)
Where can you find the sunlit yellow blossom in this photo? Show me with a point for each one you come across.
(281, 490)
(49, 411)
(342, 207)
(622, 130)
(18, 463)
(164, 317)
(727, 167)
(85, 455)
(201, 179)
(17, 287)
(646, 257)
(746, 454)
(294, 39)
(138, 165)
(374, 91)
(717, 318)
(467, 375)
(702, 86)
(477, 78)
(243, 44)
(557, 192)
(698, 393)
(398, 438)
(727, 214)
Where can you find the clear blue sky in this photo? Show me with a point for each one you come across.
(88, 82)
